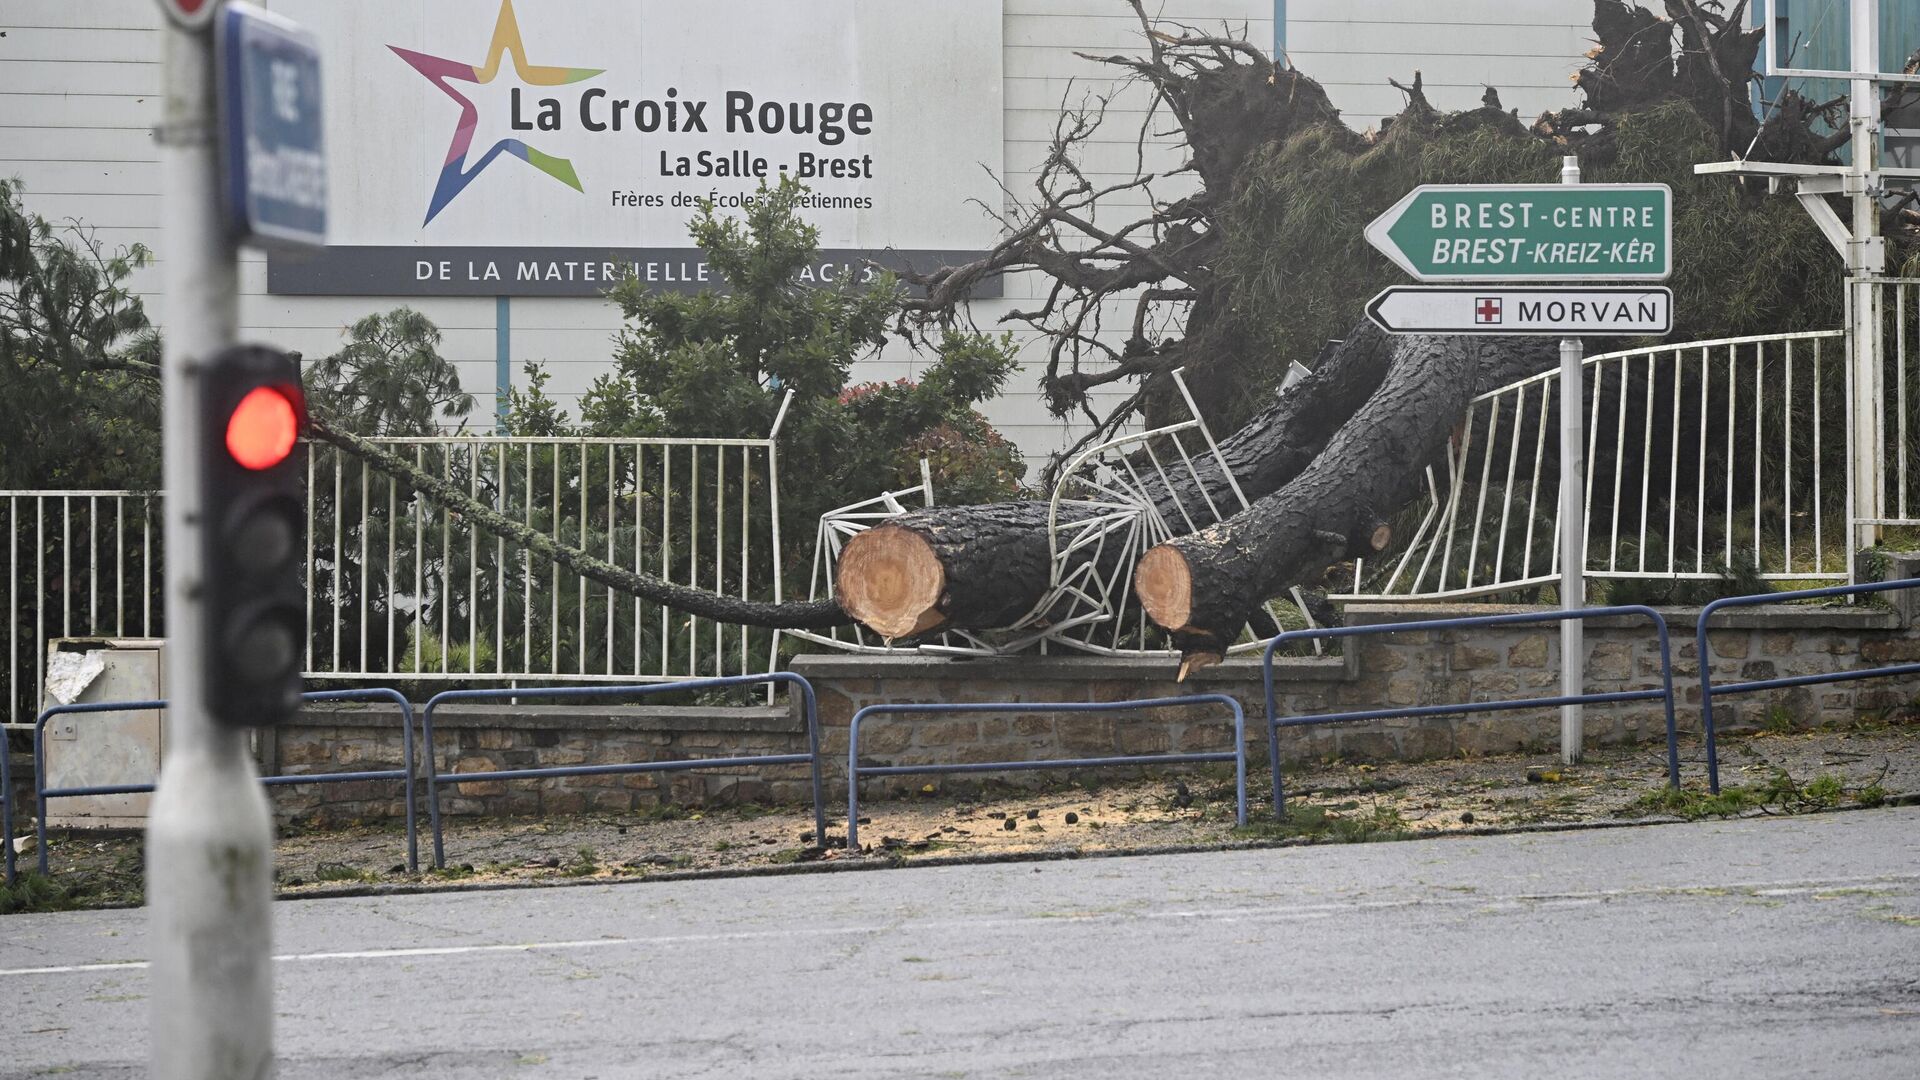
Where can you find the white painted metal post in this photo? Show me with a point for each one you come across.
(1866, 257)
(209, 836)
(1573, 526)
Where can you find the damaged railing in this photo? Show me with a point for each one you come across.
(1703, 459)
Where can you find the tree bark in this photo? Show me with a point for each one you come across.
(811, 615)
(1202, 587)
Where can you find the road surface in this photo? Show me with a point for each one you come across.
(1755, 948)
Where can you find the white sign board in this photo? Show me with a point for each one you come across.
(500, 147)
(1595, 311)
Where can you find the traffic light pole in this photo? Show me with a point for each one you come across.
(209, 834)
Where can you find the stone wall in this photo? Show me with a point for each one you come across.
(491, 737)
(1395, 670)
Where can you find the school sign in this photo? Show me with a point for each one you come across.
(549, 148)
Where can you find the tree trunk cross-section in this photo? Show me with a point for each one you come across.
(948, 567)
(995, 562)
(1364, 424)
(893, 582)
(1202, 587)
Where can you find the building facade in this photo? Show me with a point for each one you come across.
(80, 85)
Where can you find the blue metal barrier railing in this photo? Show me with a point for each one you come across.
(42, 794)
(810, 758)
(1275, 722)
(855, 770)
(1708, 691)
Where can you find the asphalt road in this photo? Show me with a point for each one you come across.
(1786, 948)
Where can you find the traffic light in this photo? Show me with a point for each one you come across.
(253, 503)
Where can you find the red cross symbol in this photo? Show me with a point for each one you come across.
(1486, 309)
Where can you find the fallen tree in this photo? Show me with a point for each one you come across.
(1272, 175)
(1203, 587)
(980, 568)
(1376, 409)
(1333, 461)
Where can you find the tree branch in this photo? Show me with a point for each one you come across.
(810, 615)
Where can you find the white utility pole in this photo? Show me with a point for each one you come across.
(1866, 256)
(1573, 526)
(209, 833)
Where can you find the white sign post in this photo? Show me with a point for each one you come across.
(1573, 527)
(1537, 232)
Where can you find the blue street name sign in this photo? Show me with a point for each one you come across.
(273, 160)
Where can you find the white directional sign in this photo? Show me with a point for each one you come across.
(1594, 311)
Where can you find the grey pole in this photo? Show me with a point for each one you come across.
(1573, 526)
(209, 833)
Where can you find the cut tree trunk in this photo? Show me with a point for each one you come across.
(971, 567)
(1202, 587)
(983, 567)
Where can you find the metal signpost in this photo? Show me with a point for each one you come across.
(209, 837)
(1536, 232)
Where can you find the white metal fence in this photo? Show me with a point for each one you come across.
(78, 564)
(398, 588)
(1707, 457)
(1704, 458)
(1899, 397)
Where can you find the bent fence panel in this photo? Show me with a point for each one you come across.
(568, 693)
(1275, 721)
(43, 794)
(1702, 457)
(1708, 691)
(1121, 496)
(855, 770)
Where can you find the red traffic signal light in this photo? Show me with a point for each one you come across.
(253, 507)
(263, 428)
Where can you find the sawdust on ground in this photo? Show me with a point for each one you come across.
(1763, 772)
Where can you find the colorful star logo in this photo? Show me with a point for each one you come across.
(454, 175)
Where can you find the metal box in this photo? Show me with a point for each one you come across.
(99, 749)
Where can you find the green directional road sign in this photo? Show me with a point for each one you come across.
(1515, 232)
